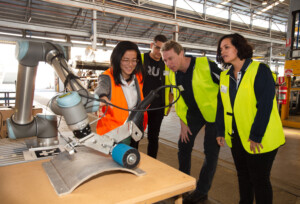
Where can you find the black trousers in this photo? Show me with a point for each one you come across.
(253, 172)
(211, 151)
(154, 123)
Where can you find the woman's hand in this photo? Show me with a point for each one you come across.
(103, 104)
(254, 146)
(221, 141)
(185, 130)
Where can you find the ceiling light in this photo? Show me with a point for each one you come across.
(194, 53)
(225, 2)
(264, 3)
(267, 8)
(281, 0)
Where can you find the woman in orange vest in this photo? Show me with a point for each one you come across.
(121, 85)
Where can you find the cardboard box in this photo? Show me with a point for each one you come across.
(6, 113)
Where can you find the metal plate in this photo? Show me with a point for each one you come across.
(66, 172)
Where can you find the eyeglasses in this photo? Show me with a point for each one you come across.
(127, 61)
(156, 47)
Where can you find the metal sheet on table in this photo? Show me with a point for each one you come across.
(66, 172)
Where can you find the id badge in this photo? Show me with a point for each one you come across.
(181, 88)
(224, 89)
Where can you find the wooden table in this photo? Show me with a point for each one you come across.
(29, 183)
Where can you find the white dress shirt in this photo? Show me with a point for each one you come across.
(130, 92)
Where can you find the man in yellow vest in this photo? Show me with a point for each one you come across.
(155, 77)
(198, 80)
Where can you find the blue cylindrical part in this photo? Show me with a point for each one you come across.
(118, 153)
(11, 133)
(21, 49)
(69, 99)
(47, 117)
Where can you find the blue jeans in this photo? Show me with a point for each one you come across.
(211, 151)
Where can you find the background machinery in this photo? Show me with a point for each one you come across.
(292, 72)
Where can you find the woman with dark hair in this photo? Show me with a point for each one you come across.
(248, 118)
(121, 85)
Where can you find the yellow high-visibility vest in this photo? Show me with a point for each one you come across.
(204, 89)
(244, 112)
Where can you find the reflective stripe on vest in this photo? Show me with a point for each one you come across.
(245, 112)
(167, 82)
(204, 89)
(116, 117)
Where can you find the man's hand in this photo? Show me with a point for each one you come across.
(254, 146)
(185, 130)
(221, 141)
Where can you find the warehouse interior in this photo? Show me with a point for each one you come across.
(88, 30)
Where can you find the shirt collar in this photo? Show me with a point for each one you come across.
(244, 67)
(124, 82)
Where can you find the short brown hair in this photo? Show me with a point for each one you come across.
(172, 44)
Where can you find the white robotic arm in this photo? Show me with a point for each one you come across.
(73, 106)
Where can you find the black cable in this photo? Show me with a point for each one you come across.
(106, 109)
(71, 76)
(139, 110)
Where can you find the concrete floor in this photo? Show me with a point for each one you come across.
(285, 175)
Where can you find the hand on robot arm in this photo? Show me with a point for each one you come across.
(102, 104)
(110, 143)
(133, 125)
(72, 105)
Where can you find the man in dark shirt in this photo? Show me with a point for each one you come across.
(155, 77)
(198, 80)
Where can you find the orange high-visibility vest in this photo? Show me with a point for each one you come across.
(116, 117)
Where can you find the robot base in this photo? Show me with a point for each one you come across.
(66, 172)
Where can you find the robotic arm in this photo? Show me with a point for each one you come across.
(22, 124)
(69, 103)
(73, 106)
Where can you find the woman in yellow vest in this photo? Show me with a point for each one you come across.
(248, 117)
(121, 85)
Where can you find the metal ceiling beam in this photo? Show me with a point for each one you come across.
(117, 23)
(67, 44)
(76, 17)
(42, 28)
(154, 25)
(147, 17)
(49, 29)
(198, 46)
(28, 11)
